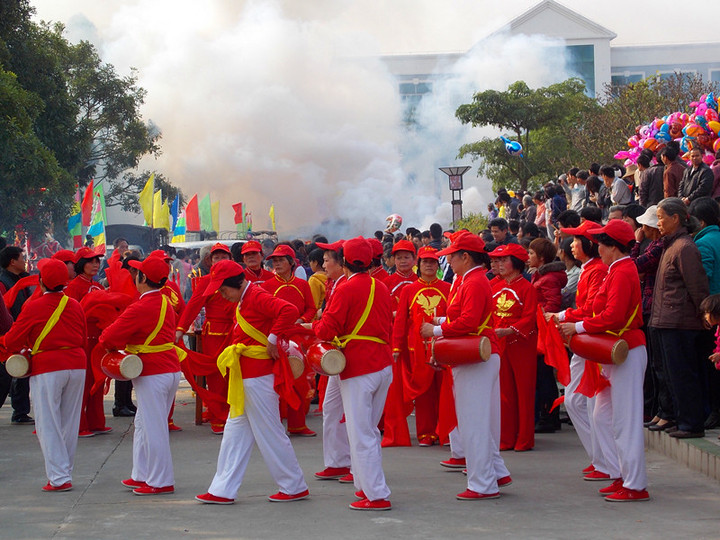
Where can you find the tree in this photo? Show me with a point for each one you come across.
(537, 118)
(473, 223)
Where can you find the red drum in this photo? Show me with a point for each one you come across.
(296, 359)
(121, 366)
(600, 348)
(458, 351)
(18, 365)
(325, 358)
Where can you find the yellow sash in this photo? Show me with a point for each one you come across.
(627, 325)
(50, 324)
(483, 326)
(147, 348)
(342, 341)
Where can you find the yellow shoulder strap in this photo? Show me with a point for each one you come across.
(50, 324)
(249, 329)
(343, 340)
(161, 320)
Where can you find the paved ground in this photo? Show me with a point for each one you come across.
(548, 498)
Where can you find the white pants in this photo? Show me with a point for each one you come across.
(260, 423)
(622, 403)
(477, 405)
(363, 398)
(57, 398)
(336, 448)
(152, 460)
(456, 447)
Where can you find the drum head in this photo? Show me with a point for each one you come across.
(620, 352)
(485, 348)
(333, 362)
(131, 366)
(17, 366)
(297, 365)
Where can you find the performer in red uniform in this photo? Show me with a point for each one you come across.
(420, 302)
(477, 386)
(514, 320)
(251, 360)
(376, 268)
(87, 264)
(404, 254)
(53, 328)
(360, 316)
(215, 333)
(580, 407)
(617, 309)
(252, 256)
(146, 328)
(285, 285)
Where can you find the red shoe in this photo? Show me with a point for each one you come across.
(379, 505)
(464, 471)
(590, 468)
(454, 463)
(208, 498)
(332, 473)
(302, 432)
(67, 486)
(149, 490)
(347, 479)
(427, 440)
(284, 497)
(102, 431)
(172, 426)
(86, 434)
(470, 495)
(360, 495)
(133, 484)
(597, 476)
(612, 488)
(505, 481)
(628, 495)
(217, 429)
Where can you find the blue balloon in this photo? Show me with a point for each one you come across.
(700, 121)
(513, 148)
(711, 102)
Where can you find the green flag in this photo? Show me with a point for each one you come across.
(205, 210)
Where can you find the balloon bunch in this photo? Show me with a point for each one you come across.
(699, 129)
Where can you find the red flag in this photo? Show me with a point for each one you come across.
(87, 204)
(238, 212)
(551, 345)
(192, 215)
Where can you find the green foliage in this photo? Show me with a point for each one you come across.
(124, 192)
(473, 223)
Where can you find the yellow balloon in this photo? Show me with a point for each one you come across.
(715, 126)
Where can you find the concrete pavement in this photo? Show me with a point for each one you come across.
(548, 498)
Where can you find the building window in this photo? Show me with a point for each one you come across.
(623, 79)
(715, 75)
(668, 74)
(581, 60)
(411, 92)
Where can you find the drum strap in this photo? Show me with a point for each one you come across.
(342, 341)
(484, 326)
(50, 324)
(627, 325)
(162, 347)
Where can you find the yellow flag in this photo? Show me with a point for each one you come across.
(215, 212)
(272, 215)
(146, 199)
(164, 216)
(157, 209)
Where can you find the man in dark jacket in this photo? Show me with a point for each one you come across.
(651, 187)
(697, 181)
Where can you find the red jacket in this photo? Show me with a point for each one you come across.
(269, 315)
(136, 324)
(296, 291)
(380, 273)
(617, 306)
(219, 313)
(549, 281)
(63, 348)
(591, 278)
(259, 277)
(469, 306)
(340, 317)
(515, 306)
(172, 291)
(80, 286)
(421, 298)
(395, 283)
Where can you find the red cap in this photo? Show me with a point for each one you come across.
(220, 247)
(617, 229)
(404, 245)
(86, 253)
(154, 268)
(463, 240)
(582, 230)
(377, 247)
(335, 246)
(427, 252)
(514, 250)
(453, 235)
(64, 255)
(358, 251)
(282, 250)
(251, 246)
(53, 272)
(219, 272)
(160, 254)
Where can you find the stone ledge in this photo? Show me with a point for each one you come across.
(701, 455)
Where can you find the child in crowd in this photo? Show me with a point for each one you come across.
(711, 310)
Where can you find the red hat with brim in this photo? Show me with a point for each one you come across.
(219, 272)
(358, 251)
(154, 268)
(251, 246)
(86, 253)
(464, 241)
(64, 255)
(53, 272)
(582, 230)
(377, 247)
(618, 230)
(427, 252)
(282, 250)
(404, 245)
(510, 250)
(335, 246)
(452, 235)
(160, 254)
(220, 247)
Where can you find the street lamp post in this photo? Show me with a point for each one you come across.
(455, 181)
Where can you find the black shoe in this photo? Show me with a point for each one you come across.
(713, 420)
(546, 428)
(663, 427)
(132, 407)
(680, 434)
(24, 420)
(123, 411)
